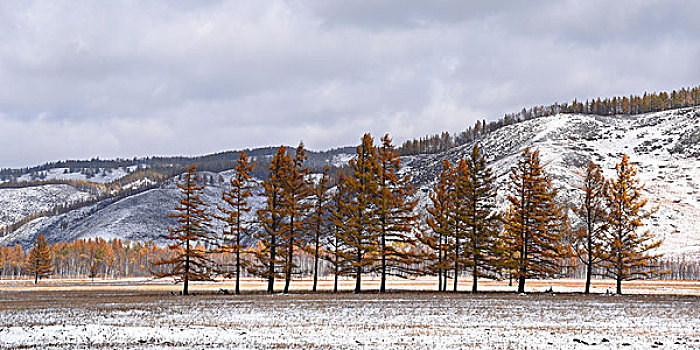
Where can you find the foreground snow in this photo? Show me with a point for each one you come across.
(127, 319)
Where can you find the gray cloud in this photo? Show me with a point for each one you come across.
(81, 79)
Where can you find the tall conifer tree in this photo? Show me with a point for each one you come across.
(360, 230)
(338, 255)
(270, 256)
(475, 189)
(457, 234)
(190, 260)
(532, 222)
(295, 194)
(589, 238)
(628, 255)
(320, 220)
(234, 212)
(439, 219)
(40, 261)
(396, 217)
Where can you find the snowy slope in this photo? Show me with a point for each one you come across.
(17, 203)
(139, 217)
(99, 175)
(665, 146)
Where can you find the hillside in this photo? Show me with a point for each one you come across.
(17, 203)
(664, 145)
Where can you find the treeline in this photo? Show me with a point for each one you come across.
(99, 258)
(104, 259)
(91, 258)
(364, 221)
(216, 162)
(618, 105)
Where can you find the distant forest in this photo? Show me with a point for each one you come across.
(165, 167)
(618, 105)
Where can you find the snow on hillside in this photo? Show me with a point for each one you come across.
(139, 217)
(17, 203)
(99, 175)
(340, 160)
(665, 146)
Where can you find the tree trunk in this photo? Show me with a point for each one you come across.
(335, 266)
(440, 263)
(288, 273)
(618, 276)
(589, 248)
(456, 263)
(358, 272)
(521, 284)
(290, 256)
(474, 277)
(382, 286)
(271, 276)
(36, 278)
(238, 269)
(589, 269)
(315, 263)
(185, 286)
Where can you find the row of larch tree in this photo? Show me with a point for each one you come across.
(365, 220)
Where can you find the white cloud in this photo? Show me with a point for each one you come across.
(81, 79)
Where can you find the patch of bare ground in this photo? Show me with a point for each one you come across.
(250, 285)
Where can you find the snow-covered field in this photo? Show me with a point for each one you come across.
(118, 317)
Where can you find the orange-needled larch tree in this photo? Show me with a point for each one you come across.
(270, 257)
(475, 189)
(589, 238)
(396, 218)
(235, 212)
(40, 261)
(533, 222)
(439, 219)
(360, 231)
(628, 252)
(190, 237)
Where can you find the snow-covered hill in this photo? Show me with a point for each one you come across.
(664, 145)
(99, 175)
(139, 217)
(17, 203)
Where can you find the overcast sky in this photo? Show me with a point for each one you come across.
(81, 79)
